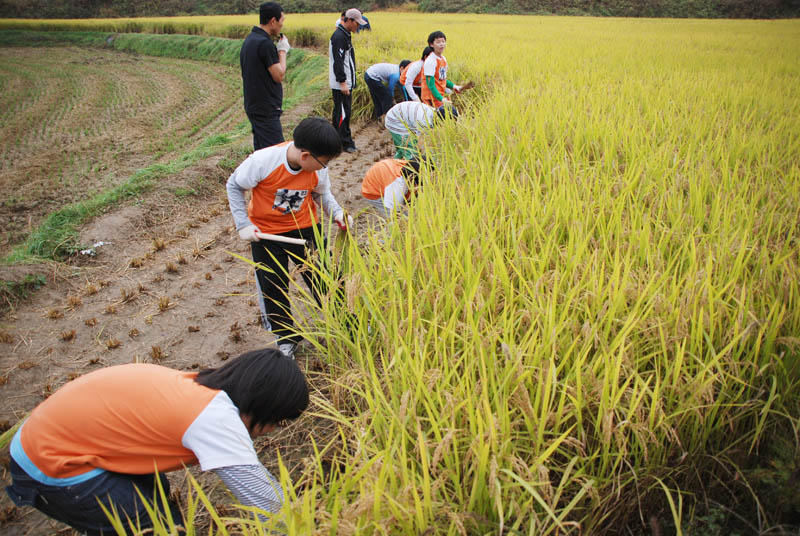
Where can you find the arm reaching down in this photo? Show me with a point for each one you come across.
(395, 194)
(323, 197)
(411, 75)
(431, 83)
(246, 177)
(253, 485)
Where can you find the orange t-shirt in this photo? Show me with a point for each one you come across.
(281, 201)
(381, 175)
(435, 66)
(127, 419)
(403, 76)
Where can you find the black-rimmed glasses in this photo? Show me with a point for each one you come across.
(324, 166)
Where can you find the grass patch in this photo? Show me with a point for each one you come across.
(12, 292)
(57, 236)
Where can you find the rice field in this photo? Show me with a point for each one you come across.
(590, 316)
(589, 321)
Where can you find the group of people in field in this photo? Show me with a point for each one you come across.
(108, 437)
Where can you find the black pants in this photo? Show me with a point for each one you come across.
(273, 283)
(342, 105)
(77, 505)
(267, 131)
(381, 98)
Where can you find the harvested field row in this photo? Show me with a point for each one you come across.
(79, 121)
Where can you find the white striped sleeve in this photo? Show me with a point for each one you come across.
(323, 196)
(253, 485)
(252, 171)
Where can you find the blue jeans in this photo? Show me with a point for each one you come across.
(78, 505)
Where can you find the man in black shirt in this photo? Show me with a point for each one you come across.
(263, 68)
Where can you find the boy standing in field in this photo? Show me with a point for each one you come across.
(263, 68)
(287, 182)
(406, 120)
(435, 72)
(381, 80)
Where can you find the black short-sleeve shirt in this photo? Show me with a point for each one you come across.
(262, 94)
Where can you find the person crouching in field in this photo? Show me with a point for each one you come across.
(390, 183)
(435, 71)
(411, 77)
(381, 80)
(287, 181)
(407, 120)
(107, 436)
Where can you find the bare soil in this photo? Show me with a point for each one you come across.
(163, 288)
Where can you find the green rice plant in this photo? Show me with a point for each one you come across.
(590, 305)
(8, 435)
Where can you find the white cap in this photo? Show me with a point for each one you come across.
(355, 14)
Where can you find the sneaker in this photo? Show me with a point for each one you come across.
(288, 348)
(350, 150)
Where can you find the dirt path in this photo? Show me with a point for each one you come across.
(164, 290)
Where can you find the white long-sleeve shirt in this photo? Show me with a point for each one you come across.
(411, 74)
(281, 200)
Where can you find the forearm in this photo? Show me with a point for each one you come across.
(409, 87)
(323, 197)
(254, 486)
(392, 84)
(338, 70)
(394, 194)
(278, 70)
(328, 203)
(449, 84)
(237, 203)
(432, 86)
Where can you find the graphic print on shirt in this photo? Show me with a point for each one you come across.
(443, 72)
(288, 201)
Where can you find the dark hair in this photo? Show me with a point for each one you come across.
(411, 171)
(317, 136)
(447, 112)
(404, 63)
(435, 35)
(268, 11)
(263, 384)
(426, 52)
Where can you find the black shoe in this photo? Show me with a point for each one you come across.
(350, 150)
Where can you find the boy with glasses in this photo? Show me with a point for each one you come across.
(287, 181)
